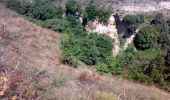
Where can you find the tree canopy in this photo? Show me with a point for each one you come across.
(146, 38)
(44, 9)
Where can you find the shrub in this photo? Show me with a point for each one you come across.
(147, 38)
(72, 7)
(57, 24)
(21, 7)
(141, 18)
(131, 19)
(160, 23)
(44, 9)
(158, 72)
(102, 68)
(132, 28)
(91, 12)
(11, 3)
(133, 22)
(74, 22)
(90, 49)
(89, 52)
(103, 14)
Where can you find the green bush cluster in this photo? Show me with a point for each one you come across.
(44, 9)
(72, 7)
(92, 12)
(21, 7)
(91, 49)
(38, 9)
(134, 21)
(146, 38)
(150, 63)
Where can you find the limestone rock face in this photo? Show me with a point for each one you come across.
(112, 22)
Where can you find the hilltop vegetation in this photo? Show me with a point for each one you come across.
(146, 60)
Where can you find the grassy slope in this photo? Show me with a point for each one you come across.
(40, 48)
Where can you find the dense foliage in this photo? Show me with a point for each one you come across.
(134, 21)
(147, 38)
(92, 12)
(18, 6)
(148, 64)
(89, 49)
(44, 9)
(72, 7)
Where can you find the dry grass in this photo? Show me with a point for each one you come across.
(24, 38)
(35, 47)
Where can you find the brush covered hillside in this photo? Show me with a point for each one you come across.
(46, 53)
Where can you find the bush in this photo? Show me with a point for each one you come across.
(21, 7)
(11, 3)
(164, 41)
(133, 22)
(158, 72)
(132, 29)
(91, 12)
(160, 23)
(131, 19)
(44, 9)
(136, 74)
(102, 68)
(103, 14)
(141, 18)
(147, 38)
(57, 24)
(72, 7)
(90, 49)
(74, 22)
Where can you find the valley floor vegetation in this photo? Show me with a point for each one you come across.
(146, 60)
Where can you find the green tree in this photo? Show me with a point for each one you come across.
(90, 12)
(102, 68)
(74, 22)
(57, 24)
(164, 41)
(160, 23)
(146, 38)
(131, 19)
(132, 28)
(72, 7)
(141, 18)
(44, 9)
(19, 6)
(158, 71)
(90, 49)
(103, 14)
(133, 22)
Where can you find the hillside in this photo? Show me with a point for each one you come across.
(30, 59)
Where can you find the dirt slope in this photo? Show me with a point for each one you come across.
(20, 39)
